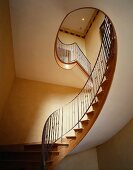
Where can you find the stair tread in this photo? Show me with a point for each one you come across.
(84, 121)
(94, 104)
(107, 72)
(12, 164)
(70, 136)
(90, 114)
(78, 129)
(24, 152)
(32, 145)
(49, 161)
(36, 143)
(103, 85)
(15, 160)
(19, 151)
(61, 144)
(100, 93)
(54, 151)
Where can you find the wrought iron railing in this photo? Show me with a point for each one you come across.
(71, 53)
(69, 116)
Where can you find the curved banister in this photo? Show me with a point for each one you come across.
(74, 43)
(71, 54)
(66, 118)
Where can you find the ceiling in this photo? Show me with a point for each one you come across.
(78, 21)
(35, 25)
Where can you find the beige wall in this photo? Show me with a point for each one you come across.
(69, 39)
(93, 40)
(28, 106)
(7, 73)
(86, 160)
(117, 153)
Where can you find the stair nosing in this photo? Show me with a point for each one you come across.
(82, 121)
(61, 144)
(76, 129)
(70, 136)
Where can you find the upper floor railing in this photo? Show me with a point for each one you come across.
(64, 119)
(71, 53)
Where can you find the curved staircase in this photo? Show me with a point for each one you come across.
(67, 126)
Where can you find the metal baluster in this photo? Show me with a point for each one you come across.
(58, 119)
(72, 113)
(78, 109)
(50, 137)
(98, 75)
(84, 100)
(100, 70)
(80, 106)
(87, 97)
(51, 128)
(62, 126)
(55, 137)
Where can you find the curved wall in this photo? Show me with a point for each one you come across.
(117, 153)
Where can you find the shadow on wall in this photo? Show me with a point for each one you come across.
(117, 153)
(81, 161)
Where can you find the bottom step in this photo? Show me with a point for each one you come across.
(19, 165)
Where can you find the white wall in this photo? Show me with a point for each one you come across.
(86, 160)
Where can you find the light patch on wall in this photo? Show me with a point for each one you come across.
(29, 104)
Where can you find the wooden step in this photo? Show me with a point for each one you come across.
(53, 152)
(36, 155)
(109, 62)
(104, 84)
(58, 146)
(71, 137)
(78, 130)
(20, 164)
(61, 144)
(49, 162)
(50, 167)
(90, 114)
(13, 147)
(100, 95)
(21, 147)
(107, 72)
(33, 147)
(84, 122)
(95, 105)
